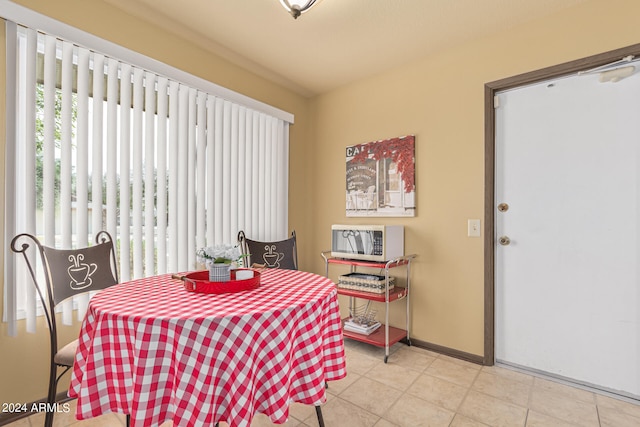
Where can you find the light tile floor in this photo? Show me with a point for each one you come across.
(421, 388)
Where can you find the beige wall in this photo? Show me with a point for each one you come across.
(438, 98)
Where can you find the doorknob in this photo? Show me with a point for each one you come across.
(504, 240)
(503, 207)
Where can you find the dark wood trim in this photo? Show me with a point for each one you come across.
(564, 69)
(473, 358)
(490, 91)
(489, 226)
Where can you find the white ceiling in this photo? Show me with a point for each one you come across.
(338, 41)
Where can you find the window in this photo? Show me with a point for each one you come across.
(163, 166)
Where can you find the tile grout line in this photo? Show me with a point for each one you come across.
(526, 417)
(466, 394)
(530, 397)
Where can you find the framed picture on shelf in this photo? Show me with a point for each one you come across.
(381, 178)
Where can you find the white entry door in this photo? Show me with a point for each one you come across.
(567, 272)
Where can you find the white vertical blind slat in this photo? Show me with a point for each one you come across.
(201, 169)
(82, 154)
(210, 165)
(96, 145)
(149, 172)
(226, 171)
(240, 162)
(125, 173)
(112, 147)
(275, 175)
(12, 106)
(283, 203)
(218, 170)
(161, 186)
(172, 241)
(49, 143)
(66, 89)
(255, 180)
(262, 151)
(29, 159)
(137, 144)
(248, 164)
(233, 173)
(191, 180)
(65, 161)
(268, 175)
(183, 177)
(66, 144)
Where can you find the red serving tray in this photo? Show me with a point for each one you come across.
(198, 281)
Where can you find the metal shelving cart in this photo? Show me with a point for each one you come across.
(386, 335)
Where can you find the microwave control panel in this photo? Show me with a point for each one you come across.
(377, 243)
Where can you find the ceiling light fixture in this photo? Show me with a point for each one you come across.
(298, 7)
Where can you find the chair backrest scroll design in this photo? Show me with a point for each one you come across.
(68, 272)
(23, 248)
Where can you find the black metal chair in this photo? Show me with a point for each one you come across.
(279, 254)
(67, 272)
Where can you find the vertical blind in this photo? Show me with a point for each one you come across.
(164, 167)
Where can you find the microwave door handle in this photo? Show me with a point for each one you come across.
(347, 235)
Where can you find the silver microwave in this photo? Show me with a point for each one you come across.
(367, 242)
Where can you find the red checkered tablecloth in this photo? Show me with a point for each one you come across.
(151, 349)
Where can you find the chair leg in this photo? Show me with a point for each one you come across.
(319, 414)
(128, 420)
(51, 395)
(48, 419)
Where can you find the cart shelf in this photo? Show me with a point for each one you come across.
(377, 337)
(370, 264)
(394, 294)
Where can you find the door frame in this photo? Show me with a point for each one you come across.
(490, 90)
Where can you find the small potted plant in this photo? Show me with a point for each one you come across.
(219, 260)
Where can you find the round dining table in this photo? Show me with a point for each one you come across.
(157, 352)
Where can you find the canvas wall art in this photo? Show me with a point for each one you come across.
(381, 178)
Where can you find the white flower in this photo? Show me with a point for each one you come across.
(218, 254)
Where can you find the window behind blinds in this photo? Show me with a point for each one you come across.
(164, 167)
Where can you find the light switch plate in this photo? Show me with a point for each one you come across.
(473, 228)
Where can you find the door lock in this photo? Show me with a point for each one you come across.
(504, 240)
